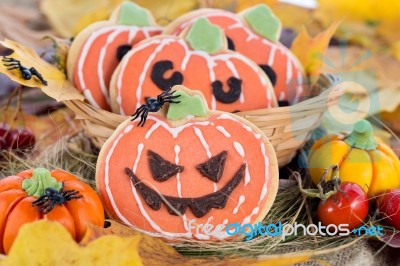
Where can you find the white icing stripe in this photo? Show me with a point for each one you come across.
(223, 131)
(89, 97)
(288, 70)
(107, 180)
(173, 131)
(247, 175)
(177, 149)
(266, 173)
(151, 130)
(140, 150)
(199, 134)
(241, 200)
(239, 148)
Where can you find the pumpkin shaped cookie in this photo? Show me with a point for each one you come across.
(255, 33)
(186, 167)
(97, 50)
(198, 59)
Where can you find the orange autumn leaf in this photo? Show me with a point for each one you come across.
(309, 50)
(58, 86)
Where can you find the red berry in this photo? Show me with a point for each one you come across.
(347, 206)
(3, 144)
(389, 207)
(21, 138)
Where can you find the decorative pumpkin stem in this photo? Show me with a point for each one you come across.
(39, 182)
(362, 136)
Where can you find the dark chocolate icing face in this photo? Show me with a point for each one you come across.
(122, 51)
(158, 72)
(270, 73)
(162, 170)
(230, 96)
(231, 45)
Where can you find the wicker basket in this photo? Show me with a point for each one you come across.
(288, 128)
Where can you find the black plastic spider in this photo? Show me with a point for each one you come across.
(26, 73)
(52, 198)
(154, 105)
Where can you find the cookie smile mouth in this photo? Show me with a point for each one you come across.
(200, 206)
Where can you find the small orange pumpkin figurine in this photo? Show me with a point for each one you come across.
(185, 167)
(362, 159)
(40, 194)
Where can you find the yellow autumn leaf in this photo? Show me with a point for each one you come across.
(58, 87)
(243, 4)
(230, 5)
(363, 20)
(65, 15)
(164, 11)
(309, 50)
(49, 243)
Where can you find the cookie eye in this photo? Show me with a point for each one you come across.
(157, 75)
(231, 45)
(270, 73)
(122, 51)
(214, 167)
(232, 95)
(161, 169)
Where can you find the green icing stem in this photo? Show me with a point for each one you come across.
(40, 180)
(132, 14)
(362, 136)
(189, 105)
(263, 21)
(205, 36)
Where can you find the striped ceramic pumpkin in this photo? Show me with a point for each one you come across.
(169, 176)
(261, 46)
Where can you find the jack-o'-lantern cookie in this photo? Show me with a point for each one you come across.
(198, 59)
(97, 50)
(185, 169)
(255, 33)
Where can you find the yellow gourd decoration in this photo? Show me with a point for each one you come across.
(362, 159)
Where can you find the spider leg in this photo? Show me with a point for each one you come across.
(11, 64)
(138, 112)
(40, 201)
(45, 209)
(143, 118)
(13, 67)
(68, 193)
(73, 197)
(10, 60)
(38, 75)
(173, 101)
